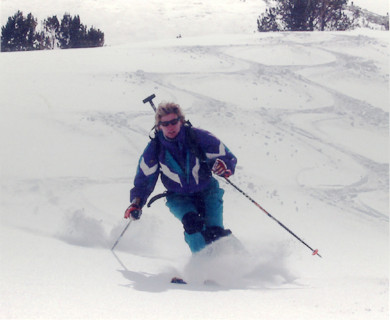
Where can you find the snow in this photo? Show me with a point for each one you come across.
(377, 6)
(305, 113)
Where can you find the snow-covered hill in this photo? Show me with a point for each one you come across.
(307, 115)
(127, 21)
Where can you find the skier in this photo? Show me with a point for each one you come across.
(185, 157)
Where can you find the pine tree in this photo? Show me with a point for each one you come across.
(330, 15)
(30, 26)
(51, 26)
(95, 38)
(296, 14)
(268, 22)
(305, 15)
(19, 33)
(73, 34)
(63, 34)
(77, 33)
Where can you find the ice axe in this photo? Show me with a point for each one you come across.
(150, 100)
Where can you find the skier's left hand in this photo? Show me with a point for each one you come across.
(220, 169)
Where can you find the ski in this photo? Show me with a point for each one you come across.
(178, 280)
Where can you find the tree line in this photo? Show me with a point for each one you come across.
(20, 34)
(309, 15)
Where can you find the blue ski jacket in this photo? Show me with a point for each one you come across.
(183, 170)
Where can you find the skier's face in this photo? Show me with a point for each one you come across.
(170, 125)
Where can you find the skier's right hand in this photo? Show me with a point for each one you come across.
(134, 211)
(220, 169)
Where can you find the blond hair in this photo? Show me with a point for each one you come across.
(165, 108)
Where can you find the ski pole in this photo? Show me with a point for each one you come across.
(314, 251)
(150, 100)
(123, 232)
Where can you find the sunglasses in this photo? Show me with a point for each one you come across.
(167, 123)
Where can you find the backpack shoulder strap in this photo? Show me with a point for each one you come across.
(153, 138)
(194, 145)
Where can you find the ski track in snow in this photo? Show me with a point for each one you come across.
(342, 107)
(290, 125)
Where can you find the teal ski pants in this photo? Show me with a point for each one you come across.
(199, 212)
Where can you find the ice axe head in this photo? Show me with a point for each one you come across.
(150, 100)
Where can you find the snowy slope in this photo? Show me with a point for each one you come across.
(376, 6)
(127, 21)
(305, 113)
